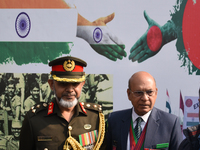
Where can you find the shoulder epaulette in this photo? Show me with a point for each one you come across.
(92, 106)
(37, 108)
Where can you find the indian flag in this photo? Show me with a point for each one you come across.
(168, 107)
(192, 119)
(102, 41)
(35, 31)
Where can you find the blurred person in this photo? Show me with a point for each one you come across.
(13, 140)
(10, 101)
(34, 97)
(192, 134)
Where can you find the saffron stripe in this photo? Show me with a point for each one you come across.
(93, 136)
(192, 115)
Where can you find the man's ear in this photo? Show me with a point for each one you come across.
(128, 94)
(50, 81)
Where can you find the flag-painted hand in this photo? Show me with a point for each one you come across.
(149, 43)
(101, 39)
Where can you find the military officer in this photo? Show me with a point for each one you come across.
(64, 123)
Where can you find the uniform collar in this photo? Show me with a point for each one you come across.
(79, 109)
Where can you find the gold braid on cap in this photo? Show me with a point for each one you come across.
(76, 145)
(68, 79)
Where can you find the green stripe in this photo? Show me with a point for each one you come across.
(133, 131)
(32, 52)
(80, 140)
(163, 145)
(95, 135)
(192, 123)
(142, 146)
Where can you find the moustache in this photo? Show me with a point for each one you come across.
(68, 94)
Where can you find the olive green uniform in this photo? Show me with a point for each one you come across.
(45, 128)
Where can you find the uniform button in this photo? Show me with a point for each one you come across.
(88, 105)
(45, 104)
(33, 110)
(45, 148)
(70, 127)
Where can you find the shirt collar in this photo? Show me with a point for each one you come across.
(144, 117)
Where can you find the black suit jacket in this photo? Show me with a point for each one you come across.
(162, 128)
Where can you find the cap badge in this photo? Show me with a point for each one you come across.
(69, 65)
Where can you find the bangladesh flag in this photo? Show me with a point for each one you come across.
(35, 31)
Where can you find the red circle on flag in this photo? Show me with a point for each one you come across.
(188, 102)
(191, 31)
(154, 38)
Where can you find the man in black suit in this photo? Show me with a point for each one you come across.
(155, 129)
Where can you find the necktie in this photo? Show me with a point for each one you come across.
(138, 128)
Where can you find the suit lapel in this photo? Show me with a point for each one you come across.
(152, 127)
(125, 126)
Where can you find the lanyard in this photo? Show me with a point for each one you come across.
(134, 144)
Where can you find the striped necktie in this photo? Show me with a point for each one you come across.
(138, 128)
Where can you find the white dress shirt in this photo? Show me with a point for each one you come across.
(143, 123)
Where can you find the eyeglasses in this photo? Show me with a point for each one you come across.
(141, 93)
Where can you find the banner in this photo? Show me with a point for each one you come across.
(116, 38)
(191, 112)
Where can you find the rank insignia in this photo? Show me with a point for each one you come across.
(50, 109)
(83, 109)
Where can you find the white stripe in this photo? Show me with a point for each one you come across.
(106, 36)
(91, 137)
(87, 139)
(47, 25)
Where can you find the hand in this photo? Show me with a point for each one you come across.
(101, 39)
(149, 43)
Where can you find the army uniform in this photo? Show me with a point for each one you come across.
(45, 128)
